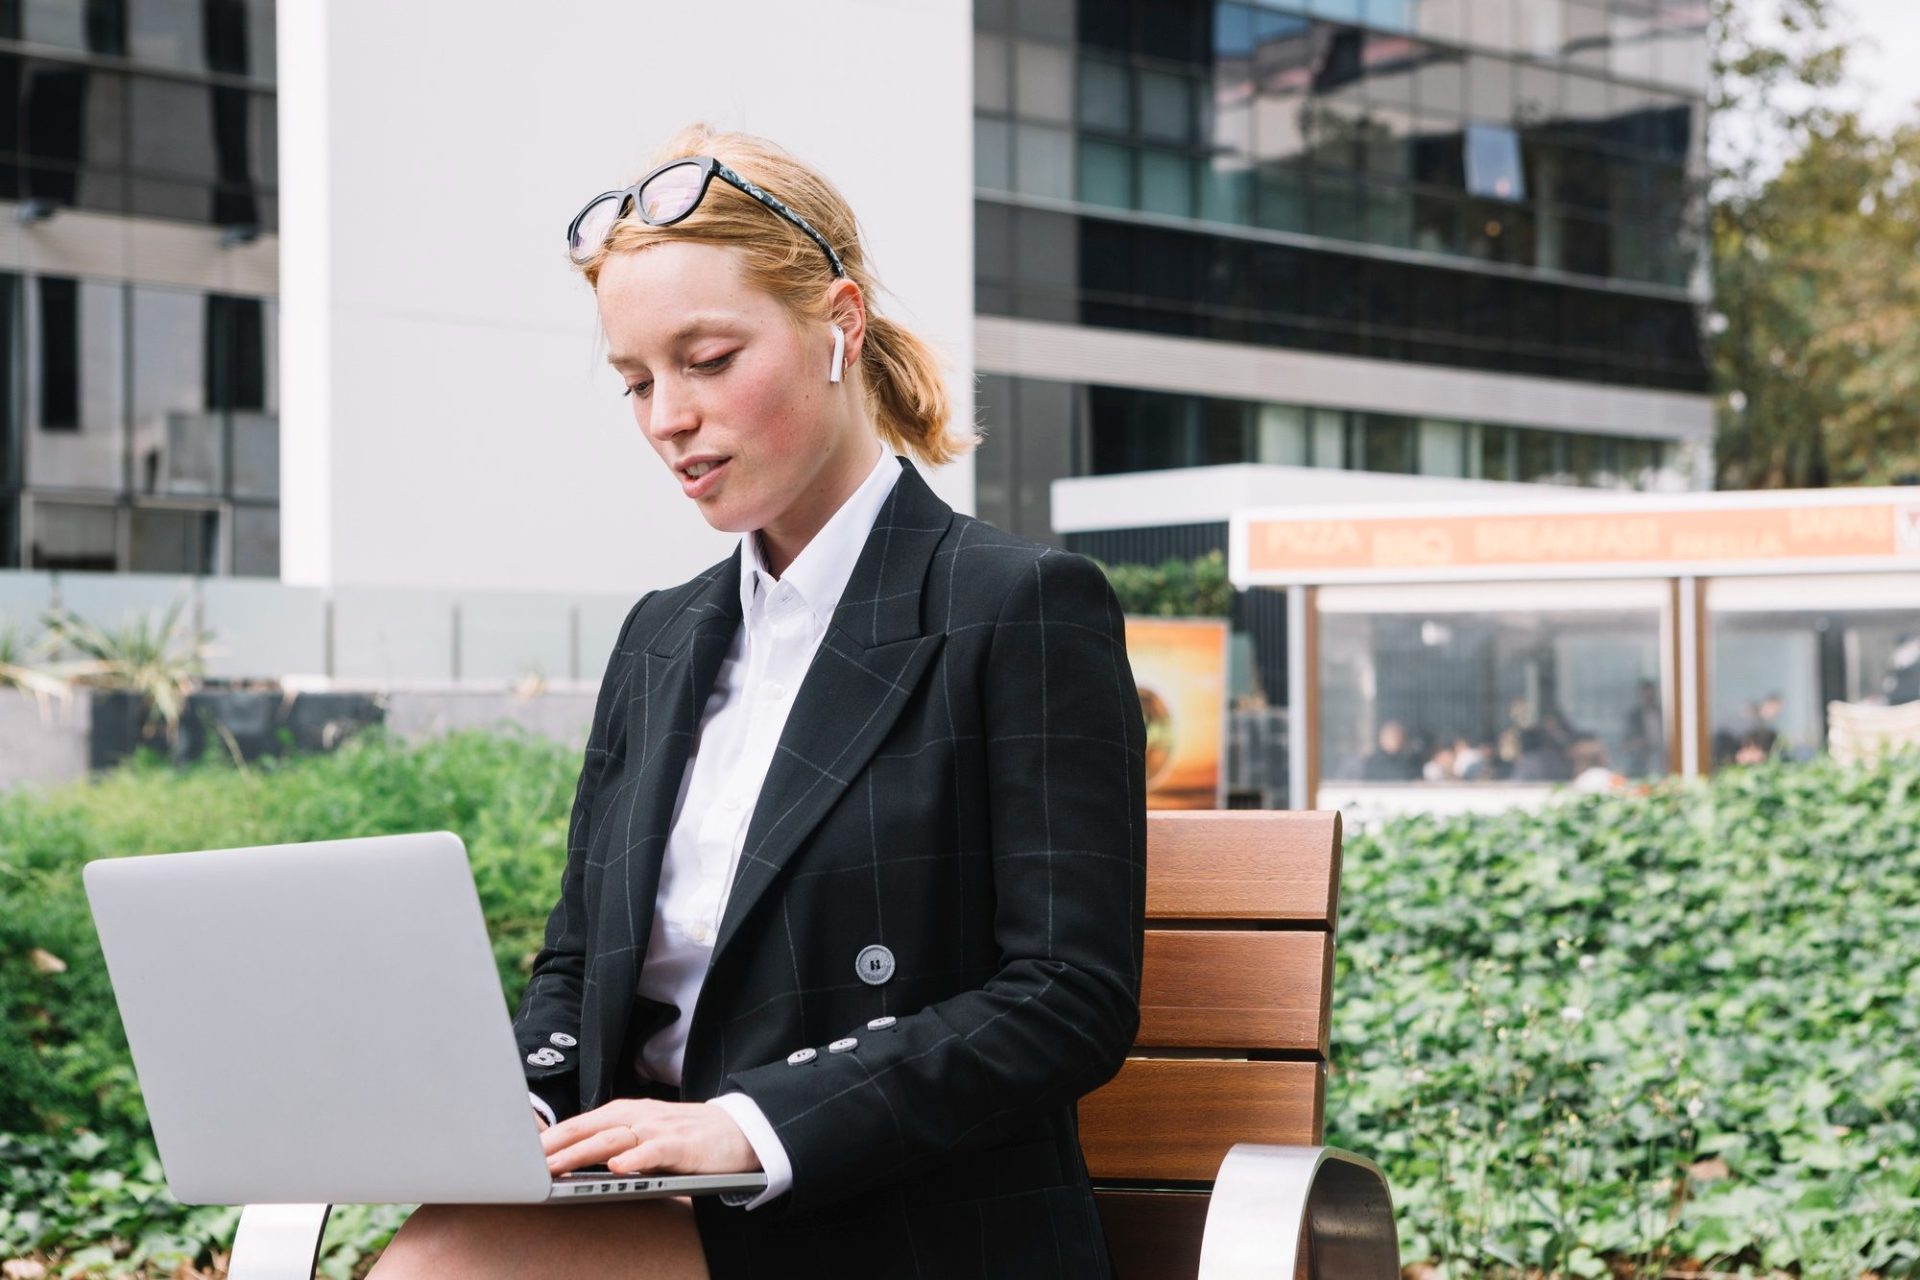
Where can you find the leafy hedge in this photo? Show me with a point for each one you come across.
(1677, 1031)
(78, 1174)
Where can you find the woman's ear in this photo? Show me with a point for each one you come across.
(847, 311)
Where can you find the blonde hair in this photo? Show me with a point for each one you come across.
(905, 394)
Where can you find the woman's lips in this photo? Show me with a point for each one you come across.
(697, 488)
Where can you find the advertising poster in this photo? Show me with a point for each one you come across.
(1180, 666)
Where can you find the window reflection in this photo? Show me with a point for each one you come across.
(78, 385)
(72, 536)
(1264, 86)
(1134, 430)
(1459, 694)
(175, 540)
(1849, 638)
(176, 442)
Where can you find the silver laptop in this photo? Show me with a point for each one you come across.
(323, 1024)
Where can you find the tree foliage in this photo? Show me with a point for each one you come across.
(1174, 588)
(1815, 224)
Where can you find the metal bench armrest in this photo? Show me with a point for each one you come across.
(277, 1242)
(1281, 1212)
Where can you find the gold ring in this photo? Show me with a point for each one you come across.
(636, 1135)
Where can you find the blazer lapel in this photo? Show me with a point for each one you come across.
(868, 664)
(677, 670)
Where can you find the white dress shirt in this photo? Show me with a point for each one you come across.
(782, 622)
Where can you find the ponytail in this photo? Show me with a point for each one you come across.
(906, 394)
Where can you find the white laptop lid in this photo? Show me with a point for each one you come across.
(319, 1023)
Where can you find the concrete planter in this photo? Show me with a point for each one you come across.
(261, 722)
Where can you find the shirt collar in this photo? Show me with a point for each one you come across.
(819, 574)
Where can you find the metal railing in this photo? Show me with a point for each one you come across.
(362, 637)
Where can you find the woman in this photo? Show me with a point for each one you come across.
(856, 868)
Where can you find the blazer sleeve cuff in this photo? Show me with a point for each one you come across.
(765, 1143)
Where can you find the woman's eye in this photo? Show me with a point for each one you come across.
(716, 364)
(639, 387)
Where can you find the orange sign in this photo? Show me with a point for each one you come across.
(1840, 531)
(1180, 667)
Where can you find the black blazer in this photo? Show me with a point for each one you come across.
(961, 781)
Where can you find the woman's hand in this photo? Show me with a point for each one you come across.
(647, 1135)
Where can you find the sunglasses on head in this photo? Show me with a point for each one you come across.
(666, 196)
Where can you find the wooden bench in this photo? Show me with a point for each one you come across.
(1205, 1148)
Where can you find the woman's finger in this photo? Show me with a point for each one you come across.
(610, 1115)
(594, 1148)
(659, 1153)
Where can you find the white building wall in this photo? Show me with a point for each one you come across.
(448, 418)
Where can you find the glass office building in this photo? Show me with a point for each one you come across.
(1502, 193)
(138, 403)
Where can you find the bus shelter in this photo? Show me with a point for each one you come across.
(1446, 657)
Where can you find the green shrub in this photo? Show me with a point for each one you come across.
(1174, 588)
(1678, 1027)
(79, 1166)
(1684, 1025)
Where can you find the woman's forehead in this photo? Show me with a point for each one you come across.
(674, 290)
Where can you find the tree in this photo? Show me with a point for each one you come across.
(1815, 225)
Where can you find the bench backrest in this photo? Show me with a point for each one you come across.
(1234, 1007)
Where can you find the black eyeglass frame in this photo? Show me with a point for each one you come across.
(710, 168)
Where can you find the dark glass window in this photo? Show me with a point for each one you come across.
(235, 203)
(1538, 455)
(1140, 430)
(171, 541)
(1496, 452)
(1176, 30)
(236, 353)
(53, 113)
(59, 354)
(1113, 274)
(1226, 426)
(10, 373)
(224, 23)
(993, 241)
(1389, 443)
(1438, 155)
(1108, 25)
(107, 27)
(1586, 246)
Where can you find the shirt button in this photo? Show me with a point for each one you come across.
(776, 691)
(698, 931)
(731, 804)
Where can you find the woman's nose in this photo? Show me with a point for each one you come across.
(672, 411)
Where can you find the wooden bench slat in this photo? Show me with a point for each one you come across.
(1153, 1235)
(1173, 1119)
(1243, 865)
(1231, 989)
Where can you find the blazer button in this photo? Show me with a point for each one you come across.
(882, 1024)
(800, 1057)
(546, 1057)
(841, 1046)
(562, 1039)
(874, 965)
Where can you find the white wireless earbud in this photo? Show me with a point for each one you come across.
(839, 353)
